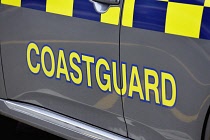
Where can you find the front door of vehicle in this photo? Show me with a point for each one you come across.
(63, 56)
(165, 52)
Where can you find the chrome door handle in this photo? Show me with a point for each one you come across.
(109, 2)
(101, 6)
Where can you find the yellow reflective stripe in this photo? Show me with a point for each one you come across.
(62, 7)
(128, 12)
(183, 19)
(12, 2)
(207, 3)
(111, 16)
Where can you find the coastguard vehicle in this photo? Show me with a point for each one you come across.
(107, 69)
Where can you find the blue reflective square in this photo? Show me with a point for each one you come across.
(85, 9)
(195, 2)
(34, 4)
(150, 15)
(205, 24)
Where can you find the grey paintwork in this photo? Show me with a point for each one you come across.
(54, 123)
(19, 26)
(2, 88)
(189, 61)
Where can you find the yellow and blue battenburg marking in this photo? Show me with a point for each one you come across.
(73, 8)
(188, 18)
(180, 17)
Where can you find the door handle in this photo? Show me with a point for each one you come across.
(109, 2)
(101, 6)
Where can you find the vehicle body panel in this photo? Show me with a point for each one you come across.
(22, 26)
(185, 56)
(171, 55)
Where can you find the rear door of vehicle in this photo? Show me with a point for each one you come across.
(165, 54)
(58, 54)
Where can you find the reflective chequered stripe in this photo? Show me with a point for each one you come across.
(188, 18)
(207, 3)
(183, 19)
(145, 14)
(180, 17)
(12, 2)
(128, 9)
(111, 16)
(73, 8)
(62, 7)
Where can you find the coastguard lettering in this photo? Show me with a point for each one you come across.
(147, 84)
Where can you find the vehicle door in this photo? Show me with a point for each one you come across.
(60, 55)
(165, 55)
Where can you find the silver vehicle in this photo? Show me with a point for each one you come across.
(107, 69)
